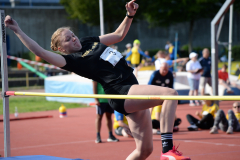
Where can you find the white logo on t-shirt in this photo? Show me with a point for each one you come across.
(158, 81)
(167, 81)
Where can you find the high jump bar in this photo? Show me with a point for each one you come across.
(107, 96)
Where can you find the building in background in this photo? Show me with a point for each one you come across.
(28, 3)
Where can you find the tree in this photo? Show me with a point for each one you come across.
(156, 12)
(169, 12)
(87, 11)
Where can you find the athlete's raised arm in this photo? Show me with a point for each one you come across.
(50, 57)
(123, 28)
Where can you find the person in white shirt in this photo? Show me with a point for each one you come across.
(193, 67)
(160, 59)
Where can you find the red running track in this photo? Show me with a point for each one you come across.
(73, 137)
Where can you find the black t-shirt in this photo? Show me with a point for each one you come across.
(206, 65)
(159, 80)
(87, 63)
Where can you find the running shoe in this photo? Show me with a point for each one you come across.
(112, 139)
(192, 128)
(197, 103)
(175, 129)
(230, 130)
(98, 140)
(214, 130)
(158, 132)
(192, 104)
(173, 154)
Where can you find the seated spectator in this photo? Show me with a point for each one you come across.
(237, 73)
(193, 68)
(223, 79)
(228, 123)
(207, 115)
(155, 116)
(162, 77)
(160, 59)
(120, 125)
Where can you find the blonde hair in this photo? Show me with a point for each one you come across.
(161, 53)
(55, 40)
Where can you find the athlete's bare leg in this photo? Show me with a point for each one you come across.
(168, 106)
(141, 129)
(140, 116)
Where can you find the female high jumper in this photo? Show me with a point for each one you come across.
(91, 57)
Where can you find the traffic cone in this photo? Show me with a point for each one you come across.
(62, 111)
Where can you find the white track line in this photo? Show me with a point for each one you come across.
(209, 143)
(229, 136)
(204, 154)
(201, 142)
(56, 144)
(46, 145)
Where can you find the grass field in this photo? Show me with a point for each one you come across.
(35, 104)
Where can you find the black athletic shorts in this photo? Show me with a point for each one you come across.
(155, 124)
(121, 88)
(104, 107)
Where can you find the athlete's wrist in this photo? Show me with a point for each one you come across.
(129, 15)
(19, 32)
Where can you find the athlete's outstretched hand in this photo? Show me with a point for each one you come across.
(11, 24)
(131, 8)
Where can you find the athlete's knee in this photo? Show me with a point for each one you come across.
(145, 152)
(230, 112)
(220, 112)
(172, 92)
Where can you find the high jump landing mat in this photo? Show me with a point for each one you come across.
(36, 157)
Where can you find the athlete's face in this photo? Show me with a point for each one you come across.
(208, 102)
(236, 107)
(69, 42)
